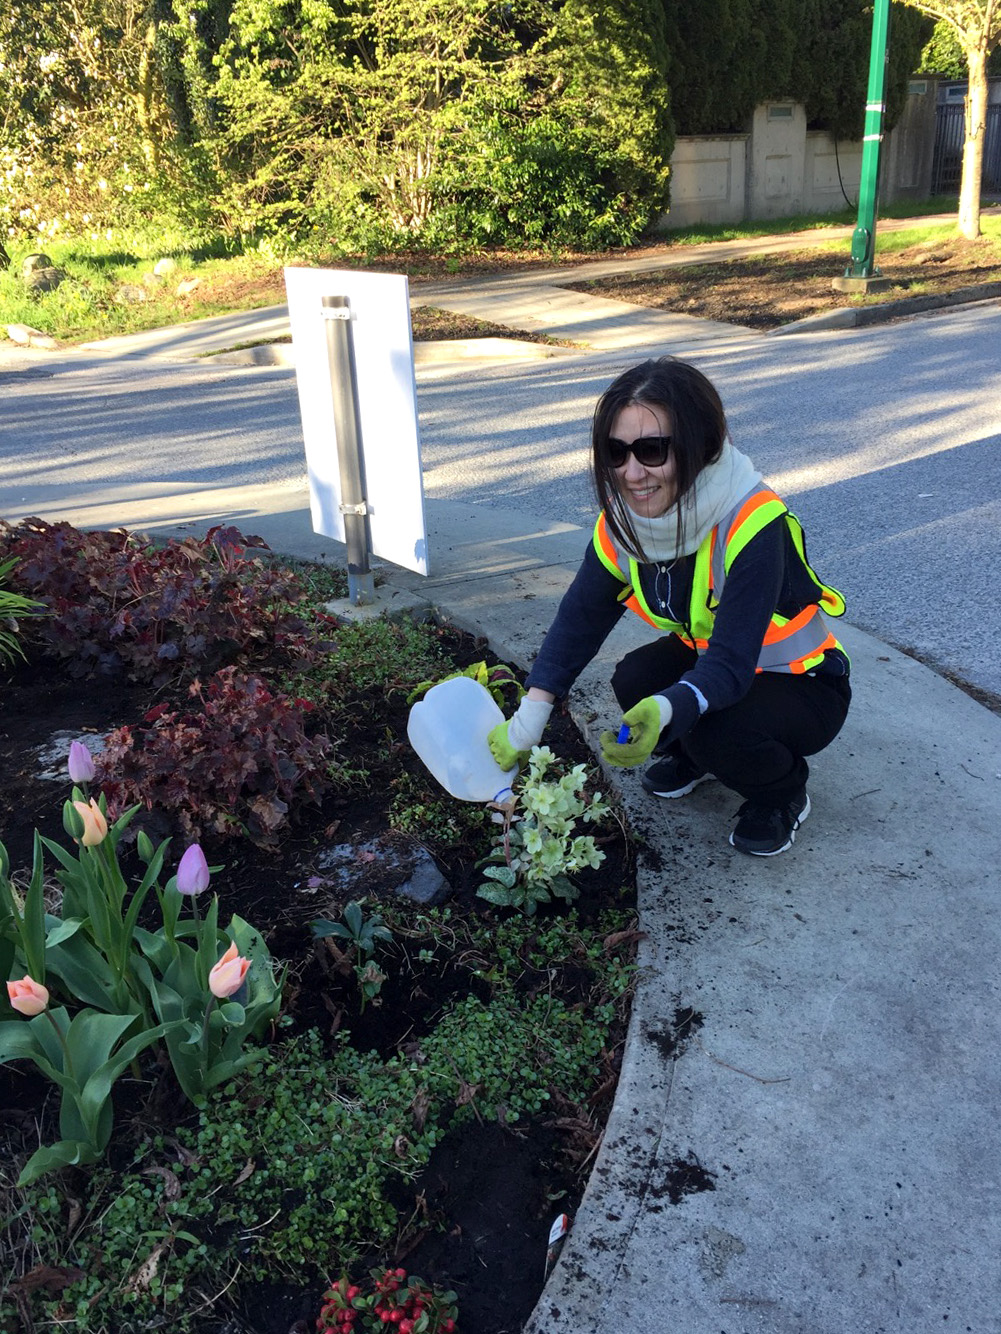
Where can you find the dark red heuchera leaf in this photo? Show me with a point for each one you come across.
(243, 759)
(155, 614)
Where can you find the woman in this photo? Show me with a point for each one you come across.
(748, 680)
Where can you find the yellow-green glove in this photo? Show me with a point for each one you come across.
(511, 741)
(645, 720)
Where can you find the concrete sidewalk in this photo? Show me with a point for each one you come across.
(804, 1139)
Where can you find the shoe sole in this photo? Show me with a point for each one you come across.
(774, 852)
(678, 791)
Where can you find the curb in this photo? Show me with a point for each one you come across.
(856, 317)
(432, 353)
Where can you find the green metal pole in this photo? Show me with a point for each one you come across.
(864, 236)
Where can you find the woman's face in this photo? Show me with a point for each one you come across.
(648, 491)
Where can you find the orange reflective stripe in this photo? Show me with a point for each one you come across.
(635, 605)
(752, 503)
(605, 548)
(775, 632)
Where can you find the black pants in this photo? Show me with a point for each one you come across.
(757, 746)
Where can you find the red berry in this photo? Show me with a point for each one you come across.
(406, 1327)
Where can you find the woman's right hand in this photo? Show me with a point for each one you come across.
(511, 741)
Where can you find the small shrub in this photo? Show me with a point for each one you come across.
(242, 764)
(120, 604)
(391, 1298)
(496, 679)
(538, 851)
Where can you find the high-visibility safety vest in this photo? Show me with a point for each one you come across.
(792, 644)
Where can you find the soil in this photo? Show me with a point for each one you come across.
(765, 291)
(490, 1191)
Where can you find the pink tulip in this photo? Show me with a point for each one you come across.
(228, 974)
(27, 996)
(95, 826)
(193, 871)
(81, 763)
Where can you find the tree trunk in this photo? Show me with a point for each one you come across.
(973, 148)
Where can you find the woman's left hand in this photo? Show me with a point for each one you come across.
(645, 720)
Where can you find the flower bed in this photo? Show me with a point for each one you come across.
(429, 1092)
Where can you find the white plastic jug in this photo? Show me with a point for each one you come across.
(448, 730)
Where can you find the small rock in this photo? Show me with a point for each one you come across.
(384, 867)
(36, 261)
(152, 279)
(44, 279)
(426, 885)
(163, 267)
(131, 294)
(26, 336)
(187, 287)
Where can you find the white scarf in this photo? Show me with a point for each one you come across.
(714, 493)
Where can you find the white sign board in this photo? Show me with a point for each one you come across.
(387, 407)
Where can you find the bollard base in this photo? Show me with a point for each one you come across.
(875, 283)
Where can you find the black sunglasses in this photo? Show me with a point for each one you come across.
(652, 451)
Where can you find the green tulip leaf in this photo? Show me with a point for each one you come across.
(65, 1153)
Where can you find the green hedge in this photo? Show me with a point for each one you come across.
(725, 57)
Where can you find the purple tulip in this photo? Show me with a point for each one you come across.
(80, 763)
(193, 871)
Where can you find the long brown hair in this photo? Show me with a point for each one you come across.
(698, 432)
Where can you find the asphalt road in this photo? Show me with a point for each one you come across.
(884, 440)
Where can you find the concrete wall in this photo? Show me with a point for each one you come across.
(780, 168)
(708, 174)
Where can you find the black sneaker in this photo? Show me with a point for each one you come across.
(765, 831)
(674, 776)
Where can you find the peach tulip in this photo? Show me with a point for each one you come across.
(95, 826)
(228, 974)
(27, 996)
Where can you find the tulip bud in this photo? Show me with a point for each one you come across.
(80, 764)
(144, 847)
(72, 821)
(193, 871)
(95, 826)
(228, 974)
(27, 996)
